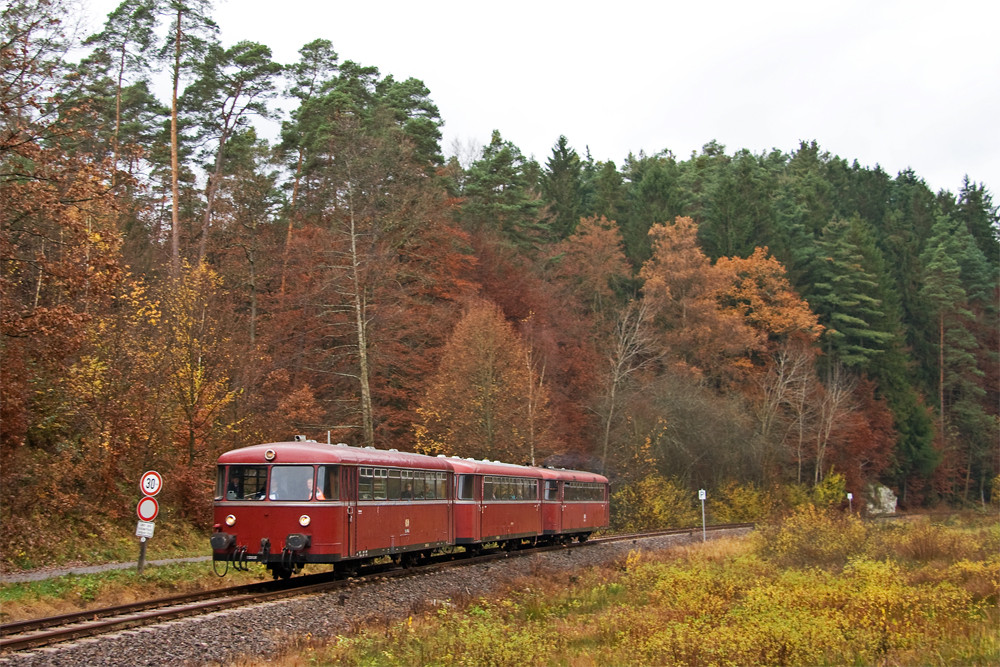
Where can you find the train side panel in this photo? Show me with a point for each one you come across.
(394, 527)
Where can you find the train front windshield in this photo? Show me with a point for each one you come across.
(244, 483)
(290, 482)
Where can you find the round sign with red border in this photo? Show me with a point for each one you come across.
(151, 483)
(148, 508)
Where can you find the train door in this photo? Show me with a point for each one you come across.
(481, 506)
(349, 484)
(451, 496)
(564, 521)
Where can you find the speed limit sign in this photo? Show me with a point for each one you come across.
(151, 483)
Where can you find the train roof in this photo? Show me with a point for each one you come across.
(310, 451)
(477, 467)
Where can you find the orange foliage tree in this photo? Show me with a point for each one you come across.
(485, 399)
(592, 261)
(758, 289)
(682, 285)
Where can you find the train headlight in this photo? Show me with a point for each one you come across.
(231, 520)
(304, 520)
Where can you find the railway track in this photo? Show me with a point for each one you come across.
(37, 633)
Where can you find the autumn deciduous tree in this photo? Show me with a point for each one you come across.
(682, 286)
(196, 358)
(757, 289)
(630, 350)
(592, 262)
(478, 402)
(865, 440)
(59, 265)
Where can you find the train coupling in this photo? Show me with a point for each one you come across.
(297, 541)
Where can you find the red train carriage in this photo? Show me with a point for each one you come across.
(496, 502)
(575, 504)
(290, 503)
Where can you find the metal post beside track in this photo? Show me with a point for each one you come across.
(701, 496)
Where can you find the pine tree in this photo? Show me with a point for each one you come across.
(964, 424)
(499, 196)
(122, 48)
(561, 189)
(738, 214)
(233, 85)
(846, 296)
(191, 33)
(653, 196)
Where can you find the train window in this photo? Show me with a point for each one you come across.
(329, 483)
(465, 487)
(291, 483)
(379, 478)
(420, 485)
(246, 483)
(394, 484)
(365, 484)
(220, 482)
(584, 491)
(551, 490)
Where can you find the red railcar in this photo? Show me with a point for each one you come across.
(287, 504)
(496, 502)
(582, 501)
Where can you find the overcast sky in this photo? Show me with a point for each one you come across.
(900, 83)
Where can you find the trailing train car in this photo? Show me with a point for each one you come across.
(496, 502)
(287, 504)
(573, 504)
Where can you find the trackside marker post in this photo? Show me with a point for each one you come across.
(147, 509)
(701, 496)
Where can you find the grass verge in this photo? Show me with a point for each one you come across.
(817, 589)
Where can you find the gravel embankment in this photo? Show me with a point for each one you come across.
(263, 630)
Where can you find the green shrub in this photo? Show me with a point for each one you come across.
(740, 503)
(811, 536)
(653, 503)
(831, 491)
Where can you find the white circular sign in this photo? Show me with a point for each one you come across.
(147, 509)
(151, 483)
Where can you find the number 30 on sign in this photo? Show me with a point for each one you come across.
(151, 483)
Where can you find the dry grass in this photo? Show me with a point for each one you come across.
(932, 601)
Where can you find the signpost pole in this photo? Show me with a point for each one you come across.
(701, 496)
(142, 553)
